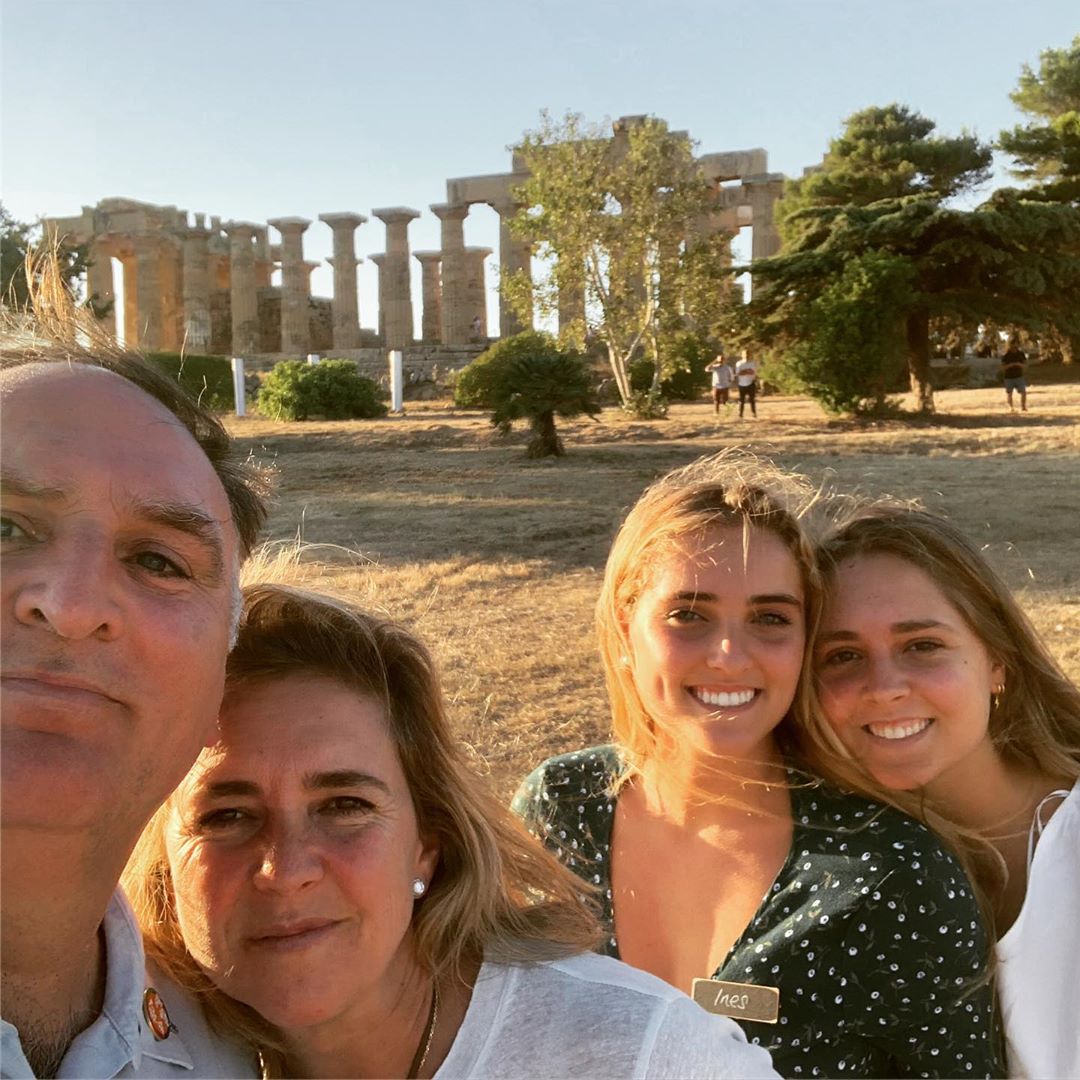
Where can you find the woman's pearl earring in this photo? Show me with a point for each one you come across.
(419, 887)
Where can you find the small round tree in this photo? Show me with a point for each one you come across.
(528, 377)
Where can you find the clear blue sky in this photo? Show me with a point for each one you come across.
(257, 108)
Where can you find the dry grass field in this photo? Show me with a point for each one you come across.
(496, 560)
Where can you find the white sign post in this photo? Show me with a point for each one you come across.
(313, 357)
(397, 382)
(238, 384)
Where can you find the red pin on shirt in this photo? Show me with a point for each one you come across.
(157, 1016)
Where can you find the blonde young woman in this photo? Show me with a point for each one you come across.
(349, 900)
(934, 682)
(840, 933)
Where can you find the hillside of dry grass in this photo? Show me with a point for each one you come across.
(496, 560)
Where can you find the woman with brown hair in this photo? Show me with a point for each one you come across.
(841, 934)
(345, 894)
(936, 687)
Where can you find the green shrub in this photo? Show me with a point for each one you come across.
(528, 377)
(647, 405)
(207, 378)
(849, 357)
(476, 386)
(332, 390)
(683, 359)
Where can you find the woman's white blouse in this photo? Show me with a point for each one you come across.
(1039, 956)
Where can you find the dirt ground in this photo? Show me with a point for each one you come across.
(496, 560)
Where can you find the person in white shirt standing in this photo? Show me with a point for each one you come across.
(746, 378)
(125, 519)
(723, 375)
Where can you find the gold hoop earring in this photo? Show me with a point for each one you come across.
(995, 697)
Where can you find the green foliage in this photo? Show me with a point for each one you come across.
(1046, 150)
(885, 152)
(529, 377)
(623, 220)
(477, 385)
(207, 378)
(647, 404)
(1010, 259)
(332, 389)
(683, 358)
(18, 237)
(849, 356)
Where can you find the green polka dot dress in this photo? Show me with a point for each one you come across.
(870, 930)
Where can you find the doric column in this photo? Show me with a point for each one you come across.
(243, 298)
(431, 321)
(264, 260)
(99, 284)
(170, 274)
(380, 262)
(514, 255)
(572, 304)
(398, 322)
(148, 292)
(345, 308)
(197, 290)
(295, 320)
(131, 297)
(475, 293)
(455, 320)
(763, 194)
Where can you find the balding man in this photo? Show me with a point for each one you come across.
(125, 519)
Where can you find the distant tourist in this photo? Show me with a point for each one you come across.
(723, 375)
(746, 377)
(1013, 368)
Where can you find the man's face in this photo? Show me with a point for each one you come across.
(118, 556)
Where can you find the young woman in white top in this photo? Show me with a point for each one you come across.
(934, 683)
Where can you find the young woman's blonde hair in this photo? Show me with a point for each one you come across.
(496, 894)
(733, 489)
(1034, 721)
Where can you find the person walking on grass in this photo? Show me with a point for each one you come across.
(746, 378)
(1013, 368)
(723, 375)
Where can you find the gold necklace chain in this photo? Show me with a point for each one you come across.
(429, 1032)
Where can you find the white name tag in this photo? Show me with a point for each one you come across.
(742, 1001)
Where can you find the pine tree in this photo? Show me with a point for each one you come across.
(882, 189)
(1046, 153)
(1046, 150)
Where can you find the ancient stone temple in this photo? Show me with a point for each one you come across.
(205, 285)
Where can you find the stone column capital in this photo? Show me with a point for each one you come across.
(345, 219)
(506, 207)
(196, 232)
(240, 229)
(378, 259)
(289, 225)
(450, 211)
(393, 215)
(426, 258)
(334, 261)
(479, 252)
